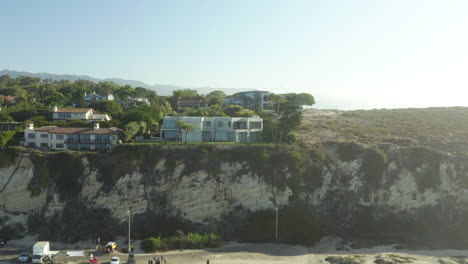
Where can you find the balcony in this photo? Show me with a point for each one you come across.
(87, 141)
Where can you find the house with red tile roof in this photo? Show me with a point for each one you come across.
(71, 138)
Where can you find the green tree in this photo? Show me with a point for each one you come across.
(217, 93)
(109, 107)
(5, 137)
(215, 97)
(151, 244)
(183, 126)
(55, 98)
(187, 128)
(130, 130)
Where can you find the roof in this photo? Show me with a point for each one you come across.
(41, 243)
(73, 110)
(44, 128)
(9, 98)
(79, 130)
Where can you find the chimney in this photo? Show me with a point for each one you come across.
(55, 108)
(96, 125)
(30, 126)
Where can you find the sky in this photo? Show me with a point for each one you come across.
(357, 54)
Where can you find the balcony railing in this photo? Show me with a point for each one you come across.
(87, 141)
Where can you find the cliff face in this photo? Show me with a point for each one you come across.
(408, 194)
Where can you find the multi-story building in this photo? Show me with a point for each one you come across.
(250, 99)
(214, 129)
(93, 97)
(87, 114)
(192, 104)
(9, 126)
(71, 138)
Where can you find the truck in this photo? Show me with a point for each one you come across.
(41, 251)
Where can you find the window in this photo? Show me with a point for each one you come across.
(85, 139)
(64, 115)
(44, 145)
(242, 137)
(206, 136)
(31, 144)
(239, 125)
(44, 136)
(170, 134)
(229, 123)
(32, 135)
(220, 123)
(207, 123)
(255, 137)
(61, 137)
(255, 125)
(221, 136)
(58, 145)
(170, 124)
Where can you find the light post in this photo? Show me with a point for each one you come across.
(276, 229)
(129, 249)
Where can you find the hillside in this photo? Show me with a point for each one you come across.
(444, 129)
(161, 89)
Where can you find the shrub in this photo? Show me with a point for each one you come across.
(196, 240)
(151, 244)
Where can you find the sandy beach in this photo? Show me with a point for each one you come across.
(244, 253)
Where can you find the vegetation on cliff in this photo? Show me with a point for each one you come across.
(443, 129)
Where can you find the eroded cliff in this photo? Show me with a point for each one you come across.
(404, 194)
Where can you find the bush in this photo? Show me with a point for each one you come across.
(151, 244)
(196, 240)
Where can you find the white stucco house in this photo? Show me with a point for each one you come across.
(93, 97)
(87, 114)
(71, 138)
(214, 129)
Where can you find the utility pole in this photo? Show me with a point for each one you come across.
(276, 230)
(129, 249)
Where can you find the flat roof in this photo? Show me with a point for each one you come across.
(79, 130)
(73, 110)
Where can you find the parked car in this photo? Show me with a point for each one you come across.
(2, 242)
(24, 257)
(115, 260)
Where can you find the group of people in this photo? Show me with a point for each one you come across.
(158, 260)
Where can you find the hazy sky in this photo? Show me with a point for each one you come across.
(348, 53)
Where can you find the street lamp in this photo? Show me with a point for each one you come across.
(276, 229)
(129, 249)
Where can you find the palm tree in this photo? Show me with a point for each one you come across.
(181, 125)
(188, 128)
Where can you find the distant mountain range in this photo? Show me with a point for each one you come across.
(159, 88)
